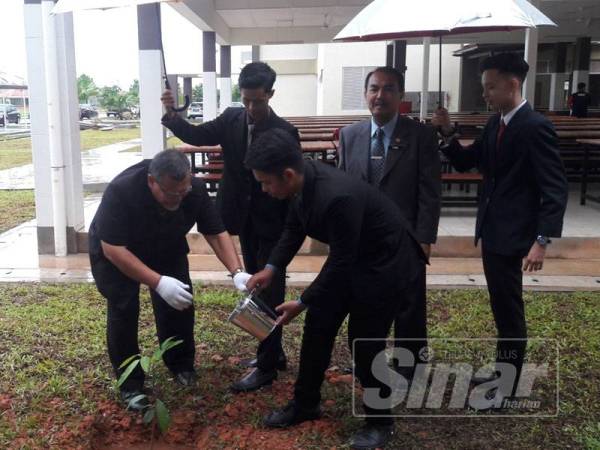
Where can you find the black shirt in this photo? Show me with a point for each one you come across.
(130, 216)
(581, 101)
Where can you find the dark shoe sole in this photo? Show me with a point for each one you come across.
(239, 389)
(290, 424)
(250, 363)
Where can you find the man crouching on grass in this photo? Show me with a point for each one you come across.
(372, 259)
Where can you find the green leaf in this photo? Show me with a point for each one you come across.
(168, 344)
(156, 357)
(162, 414)
(128, 360)
(148, 416)
(145, 363)
(127, 372)
(136, 399)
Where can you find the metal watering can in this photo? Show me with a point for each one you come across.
(254, 316)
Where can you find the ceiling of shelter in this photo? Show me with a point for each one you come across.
(255, 22)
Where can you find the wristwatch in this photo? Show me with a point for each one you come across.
(235, 272)
(543, 240)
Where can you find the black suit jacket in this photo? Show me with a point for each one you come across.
(525, 190)
(372, 253)
(240, 195)
(411, 176)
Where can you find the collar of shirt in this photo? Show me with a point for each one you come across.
(508, 116)
(388, 131)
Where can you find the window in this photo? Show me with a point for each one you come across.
(595, 66)
(353, 87)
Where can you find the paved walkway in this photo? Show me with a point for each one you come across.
(99, 165)
(19, 259)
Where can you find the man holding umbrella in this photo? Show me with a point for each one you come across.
(245, 209)
(523, 197)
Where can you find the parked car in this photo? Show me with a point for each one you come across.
(195, 110)
(121, 114)
(11, 113)
(87, 111)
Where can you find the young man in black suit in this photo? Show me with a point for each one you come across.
(373, 257)
(246, 211)
(523, 196)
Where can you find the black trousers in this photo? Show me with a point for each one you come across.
(123, 308)
(504, 278)
(256, 250)
(411, 319)
(367, 319)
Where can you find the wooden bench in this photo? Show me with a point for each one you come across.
(467, 178)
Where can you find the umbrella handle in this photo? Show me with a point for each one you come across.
(187, 97)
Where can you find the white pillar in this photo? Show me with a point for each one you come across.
(209, 76)
(580, 76)
(71, 139)
(53, 98)
(151, 81)
(225, 78)
(425, 79)
(557, 94)
(531, 53)
(32, 13)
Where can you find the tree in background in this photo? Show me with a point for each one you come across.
(113, 98)
(197, 93)
(235, 93)
(133, 95)
(86, 88)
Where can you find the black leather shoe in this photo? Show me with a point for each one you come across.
(186, 378)
(372, 436)
(290, 415)
(254, 380)
(132, 403)
(252, 362)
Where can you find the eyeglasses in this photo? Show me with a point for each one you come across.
(175, 195)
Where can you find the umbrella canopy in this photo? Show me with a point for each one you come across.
(401, 19)
(64, 6)
(398, 19)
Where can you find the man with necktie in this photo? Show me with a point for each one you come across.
(246, 211)
(522, 202)
(400, 157)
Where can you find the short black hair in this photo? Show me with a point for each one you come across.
(581, 85)
(506, 63)
(273, 151)
(171, 163)
(257, 75)
(388, 71)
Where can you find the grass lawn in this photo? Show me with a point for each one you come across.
(16, 152)
(56, 387)
(17, 207)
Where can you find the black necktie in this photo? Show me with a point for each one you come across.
(377, 158)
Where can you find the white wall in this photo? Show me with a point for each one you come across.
(295, 95)
(333, 57)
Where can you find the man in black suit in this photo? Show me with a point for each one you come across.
(523, 196)
(400, 157)
(373, 257)
(246, 211)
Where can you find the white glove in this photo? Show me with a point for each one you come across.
(240, 279)
(174, 292)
